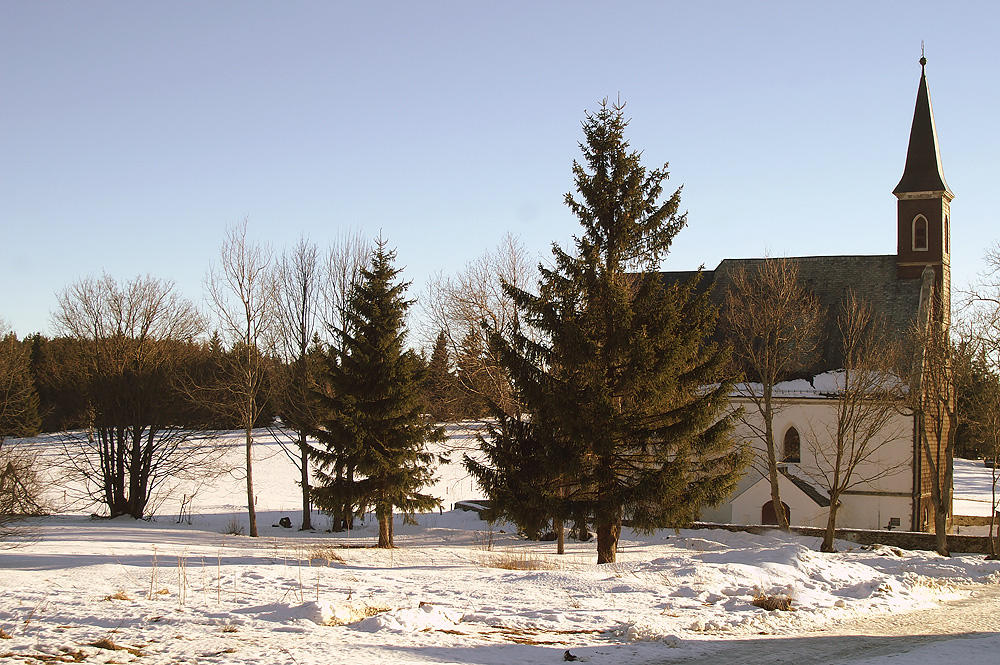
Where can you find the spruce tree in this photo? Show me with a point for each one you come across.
(439, 382)
(374, 392)
(18, 400)
(626, 394)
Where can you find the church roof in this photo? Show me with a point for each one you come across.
(872, 278)
(923, 172)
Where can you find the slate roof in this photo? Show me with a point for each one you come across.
(818, 497)
(873, 278)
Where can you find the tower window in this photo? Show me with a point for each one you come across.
(947, 236)
(791, 448)
(920, 233)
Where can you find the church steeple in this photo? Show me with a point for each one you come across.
(923, 172)
(923, 206)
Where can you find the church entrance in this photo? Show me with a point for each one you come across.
(768, 516)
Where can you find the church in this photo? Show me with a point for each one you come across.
(909, 288)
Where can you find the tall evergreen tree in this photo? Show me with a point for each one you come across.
(625, 394)
(439, 382)
(374, 392)
(472, 378)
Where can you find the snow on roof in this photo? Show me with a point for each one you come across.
(826, 384)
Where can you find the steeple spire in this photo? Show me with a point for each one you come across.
(923, 207)
(923, 172)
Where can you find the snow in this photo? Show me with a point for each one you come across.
(821, 385)
(973, 488)
(456, 590)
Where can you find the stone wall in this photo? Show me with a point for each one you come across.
(909, 540)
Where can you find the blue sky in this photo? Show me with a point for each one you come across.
(131, 134)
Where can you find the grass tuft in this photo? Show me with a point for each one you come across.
(516, 560)
(118, 595)
(324, 553)
(771, 602)
(108, 643)
(234, 528)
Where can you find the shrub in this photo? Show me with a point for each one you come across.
(234, 528)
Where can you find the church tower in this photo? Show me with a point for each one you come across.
(923, 207)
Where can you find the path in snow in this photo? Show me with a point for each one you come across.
(870, 638)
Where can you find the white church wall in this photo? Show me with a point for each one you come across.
(874, 511)
(886, 478)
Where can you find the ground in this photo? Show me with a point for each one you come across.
(457, 590)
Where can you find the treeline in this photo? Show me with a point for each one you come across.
(60, 389)
(138, 387)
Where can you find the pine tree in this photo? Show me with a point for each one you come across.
(376, 435)
(471, 378)
(439, 382)
(18, 399)
(515, 474)
(625, 394)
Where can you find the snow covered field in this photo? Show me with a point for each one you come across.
(973, 489)
(454, 591)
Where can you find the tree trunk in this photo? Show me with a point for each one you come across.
(772, 461)
(609, 528)
(384, 515)
(582, 531)
(252, 510)
(940, 530)
(831, 525)
(306, 509)
(560, 529)
(993, 507)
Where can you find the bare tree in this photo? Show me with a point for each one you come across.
(341, 268)
(932, 398)
(867, 401)
(135, 337)
(299, 283)
(20, 491)
(241, 292)
(773, 322)
(980, 331)
(980, 411)
(459, 305)
(346, 257)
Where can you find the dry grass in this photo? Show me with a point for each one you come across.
(771, 602)
(483, 540)
(229, 628)
(67, 655)
(372, 610)
(323, 553)
(118, 595)
(107, 643)
(234, 528)
(4, 635)
(516, 560)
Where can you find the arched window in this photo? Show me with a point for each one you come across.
(920, 233)
(790, 451)
(947, 236)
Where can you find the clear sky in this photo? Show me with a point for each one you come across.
(132, 133)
